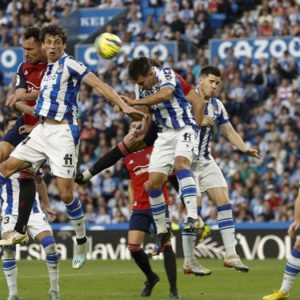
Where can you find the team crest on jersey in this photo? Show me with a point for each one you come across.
(26, 73)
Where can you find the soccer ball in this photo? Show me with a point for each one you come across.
(108, 45)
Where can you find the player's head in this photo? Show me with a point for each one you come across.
(142, 72)
(54, 39)
(32, 46)
(209, 81)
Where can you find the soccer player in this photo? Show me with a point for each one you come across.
(141, 221)
(161, 90)
(28, 79)
(56, 137)
(292, 267)
(139, 139)
(38, 228)
(208, 176)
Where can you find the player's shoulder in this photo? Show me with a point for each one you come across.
(216, 101)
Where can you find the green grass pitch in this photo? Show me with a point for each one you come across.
(118, 280)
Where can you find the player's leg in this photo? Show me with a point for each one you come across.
(5, 150)
(185, 139)
(46, 239)
(292, 269)
(9, 267)
(170, 264)
(191, 265)
(8, 258)
(139, 224)
(226, 226)
(128, 145)
(75, 213)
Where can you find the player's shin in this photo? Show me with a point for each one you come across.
(75, 213)
(292, 269)
(227, 229)
(26, 200)
(188, 243)
(170, 267)
(52, 258)
(10, 269)
(188, 191)
(107, 160)
(158, 208)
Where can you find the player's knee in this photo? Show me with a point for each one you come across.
(9, 252)
(67, 196)
(181, 163)
(134, 247)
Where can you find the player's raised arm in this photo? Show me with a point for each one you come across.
(108, 92)
(231, 134)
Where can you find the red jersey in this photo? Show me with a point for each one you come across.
(29, 77)
(137, 164)
(186, 87)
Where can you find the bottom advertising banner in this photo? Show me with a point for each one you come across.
(112, 244)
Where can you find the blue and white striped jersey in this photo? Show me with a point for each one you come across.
(10, 197)
(217, 111)
(59, 90)
(174, 112)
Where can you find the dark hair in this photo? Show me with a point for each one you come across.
(54, 30)
(210, 70)
(32, 32)
(139, 66)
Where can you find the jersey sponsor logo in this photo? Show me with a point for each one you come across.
(187, 137)
(49, 78)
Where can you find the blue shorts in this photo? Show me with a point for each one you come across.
(13, 136)
(151, 135)
(142, 220)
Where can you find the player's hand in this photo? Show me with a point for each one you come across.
(11, 100)
(50, 213)
(134, 113)
(207, 121)
(25, 129)
(129, 101)
(252, 152)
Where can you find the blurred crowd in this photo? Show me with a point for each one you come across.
(263, 101)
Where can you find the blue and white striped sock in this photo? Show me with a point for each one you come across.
(52, 258)
(75, 212)
(188, 191)
(292, 269)
(10, 271)
(227, 229)
(158, 208)
(199, 210)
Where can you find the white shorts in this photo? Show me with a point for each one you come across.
(57, 143)
(207, 175)
(36, 224)
(170, 144)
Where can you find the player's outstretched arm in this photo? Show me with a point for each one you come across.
(108, 92)
(237, 141)
(20, 95)
(159, 97)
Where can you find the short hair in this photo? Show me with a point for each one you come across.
(210, 70)
(54, 30)
(139, 67)
(32, 32)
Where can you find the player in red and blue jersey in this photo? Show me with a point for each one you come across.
(142, 222)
